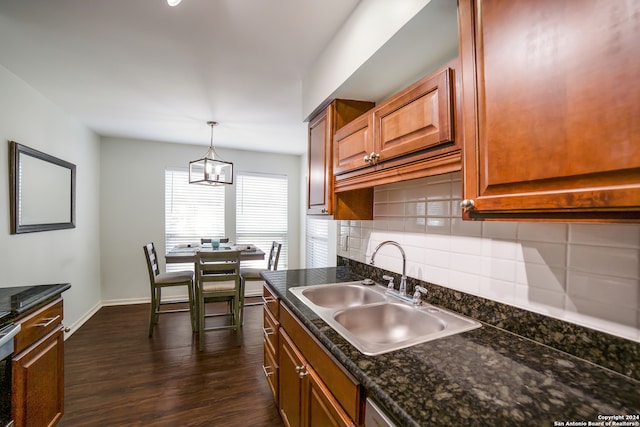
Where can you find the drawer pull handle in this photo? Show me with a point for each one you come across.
(267, 371)
(269, 300)
(268, 331)
(49, 322)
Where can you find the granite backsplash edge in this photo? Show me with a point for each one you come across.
(606, 350)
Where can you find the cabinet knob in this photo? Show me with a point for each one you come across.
(467, 204)
(324, 210)
(302, 371)
(371, 158)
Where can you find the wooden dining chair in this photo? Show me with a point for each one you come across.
(253, 274)
(159, 280)
(218, 279)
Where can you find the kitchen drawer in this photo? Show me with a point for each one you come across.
(270, 331)
(38, 324)
(271, 371)
(270, 302)
(341, 384)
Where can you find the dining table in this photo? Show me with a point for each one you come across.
(187, 254)
(182, 254)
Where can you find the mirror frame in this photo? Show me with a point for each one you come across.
(15, 152)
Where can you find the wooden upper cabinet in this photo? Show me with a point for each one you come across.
(411, 135)
(353, 143)
(321, 130)
(320, 165)
(551, 93)
(416, 119)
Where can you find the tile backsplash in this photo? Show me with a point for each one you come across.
(587, 274)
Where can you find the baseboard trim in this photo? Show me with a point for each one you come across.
(81, 321)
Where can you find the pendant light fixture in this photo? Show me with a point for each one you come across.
(211, 170)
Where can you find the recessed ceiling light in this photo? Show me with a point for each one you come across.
(173, 3)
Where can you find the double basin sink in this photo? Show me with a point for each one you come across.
(376, 322)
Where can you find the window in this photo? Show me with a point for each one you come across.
(317, 242)
(191, 212)
(262, 213)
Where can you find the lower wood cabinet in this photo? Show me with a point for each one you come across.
(322, 409)
(38, 368)
(309, 386)
(315, 390)
(292, 370)
(305, 400)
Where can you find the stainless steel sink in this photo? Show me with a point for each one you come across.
(388, 323)
(376, 322)
(342, 295)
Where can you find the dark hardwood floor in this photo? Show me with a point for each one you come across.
(116, 376)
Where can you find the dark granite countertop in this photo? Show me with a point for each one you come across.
(19, 299)
(482, 377)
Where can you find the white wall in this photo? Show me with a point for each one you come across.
(60, 256)
(587, 274)
(132, 206)
(370, 26)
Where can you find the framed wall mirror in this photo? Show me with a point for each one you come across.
(42, 191)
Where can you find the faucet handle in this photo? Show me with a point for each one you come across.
(390, 279)
(417, 295)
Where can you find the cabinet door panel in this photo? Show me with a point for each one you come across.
(321, 408)
(320, 166)
(290, 383)
(352, 143)
(556, 128)
(38, 383)
(415, 120)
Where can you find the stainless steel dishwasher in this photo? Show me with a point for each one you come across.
(375, 417)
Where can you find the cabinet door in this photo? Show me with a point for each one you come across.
(320, 164)
(38, 383)
(418, 118)
(290, 394)
(352, 145)
(551, 94)
(321, 408)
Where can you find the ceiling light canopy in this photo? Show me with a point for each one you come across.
(173, 3)
(211, 170)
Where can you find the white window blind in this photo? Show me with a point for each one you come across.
(317, 242)
(261, 213)
(192, 211)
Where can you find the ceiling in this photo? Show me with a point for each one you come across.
(141, 69)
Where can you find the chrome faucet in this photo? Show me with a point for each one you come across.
(403, 282)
